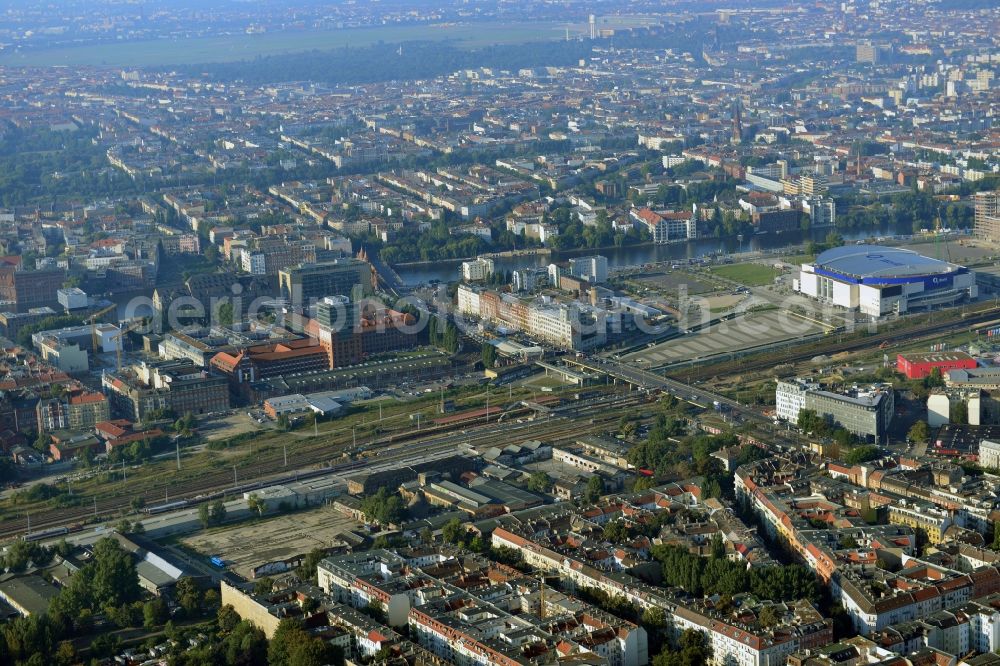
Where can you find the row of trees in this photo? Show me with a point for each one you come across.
(701, 576)
(443, 333)
(107, 584)
(821, 426)
(383, 507)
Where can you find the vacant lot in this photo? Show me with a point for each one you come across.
(671, 281)
(248, 545)
(751, 275)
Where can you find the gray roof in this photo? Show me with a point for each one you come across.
(862, 261)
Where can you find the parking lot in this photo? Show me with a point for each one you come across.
(749, 331)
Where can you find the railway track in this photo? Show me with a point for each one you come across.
(320, 459)
(796, 354)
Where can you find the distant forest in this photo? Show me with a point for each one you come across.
(424, 60)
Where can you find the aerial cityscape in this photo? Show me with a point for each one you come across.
(500, 332)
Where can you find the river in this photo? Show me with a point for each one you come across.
(635, 255)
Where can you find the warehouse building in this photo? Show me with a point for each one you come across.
(918, 366)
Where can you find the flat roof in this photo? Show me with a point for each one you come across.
(30, 594)
(937, 357)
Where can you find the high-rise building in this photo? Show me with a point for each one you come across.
(866, 52)
(477, 270)
(987, 221)
(737, 122)
(331, 278)
(593, 269)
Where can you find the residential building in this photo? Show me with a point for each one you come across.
(477, 270)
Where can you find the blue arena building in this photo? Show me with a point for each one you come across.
(881, 280)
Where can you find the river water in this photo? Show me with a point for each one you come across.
(635, 255)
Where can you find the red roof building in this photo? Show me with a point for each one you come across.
(918, 366)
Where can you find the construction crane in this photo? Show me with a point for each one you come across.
(119, 339)
(92, 320)
(937, 235)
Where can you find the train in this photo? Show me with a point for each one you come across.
(46, 534)
(169, 506)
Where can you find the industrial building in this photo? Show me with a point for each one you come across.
(879, 281)
(918, 366)
(178, 386)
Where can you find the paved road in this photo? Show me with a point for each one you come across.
(692, 394)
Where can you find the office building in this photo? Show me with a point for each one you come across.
(867, 52)
(862, 412)
(72, 298)
(987, 216)
(339, 277)
(28, 289)
(592, 269)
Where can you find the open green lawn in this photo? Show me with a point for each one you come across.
(797, 259)
(751, 275)
(228, 48)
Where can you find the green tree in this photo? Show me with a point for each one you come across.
(155, 612)
(919, 432)
(595, 488)
(718, 546)
(453, 531)
(225, 314)
(489, 353)
(383, 507)
(263, 586)
(66, 654)
(204, 515)
(114, 581)
(189, 596)
(643, 483)
(934, 379)
(960, 412)
(291, 645)
(861, 454)
(256, 505)
(217, 512)
(616, 532)
(227, 618)
(540, 482)
(244, 645)
(307, 570)
(769, 617)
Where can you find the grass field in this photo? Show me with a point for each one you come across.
(228, 48)
(751, 275)
(798, 259)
